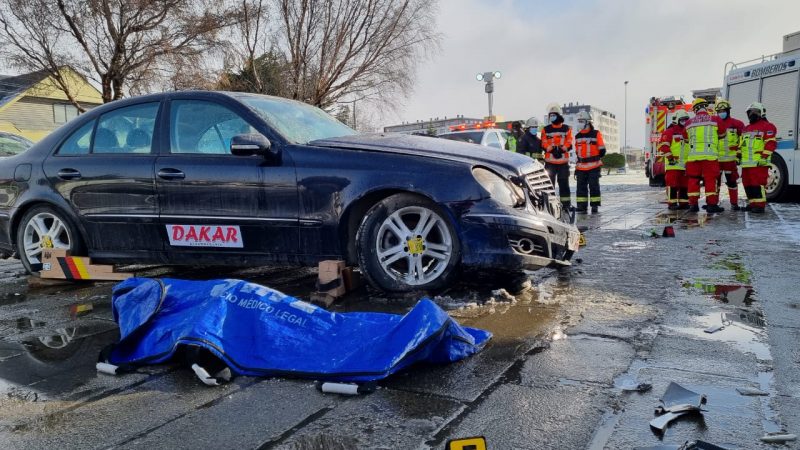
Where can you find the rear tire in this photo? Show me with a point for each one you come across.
(43, 227)
(407, 243)
(778, 181)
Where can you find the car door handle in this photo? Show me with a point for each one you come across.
(171, 174)
(69, 174)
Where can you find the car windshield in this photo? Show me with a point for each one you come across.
(471, 136)
(297, 122)
(13, 145)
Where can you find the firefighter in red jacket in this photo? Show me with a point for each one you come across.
(674, 148)
(589, 149)
(557, 143)
(759, 140)
(728, 151)
(702, 162)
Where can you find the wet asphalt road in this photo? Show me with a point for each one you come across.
(633, 310)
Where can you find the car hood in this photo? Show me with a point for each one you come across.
(472, 154)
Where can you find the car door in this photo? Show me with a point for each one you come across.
(104, 169)
(214, 203)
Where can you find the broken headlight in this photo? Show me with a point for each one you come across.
(500, 189)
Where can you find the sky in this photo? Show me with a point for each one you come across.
(583, 51)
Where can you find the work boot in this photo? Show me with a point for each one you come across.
(694, 208)
(683, 206)
(581, 210)
(748, 208)
(735, 207)
(714, 209)
(757, 209)
(673, 207)
(594, 209)
(705, 207)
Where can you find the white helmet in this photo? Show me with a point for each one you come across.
(680, 115)
(532, 122)
(584, 115)
(554, 108)
(758, 107)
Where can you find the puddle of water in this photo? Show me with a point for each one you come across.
(742, 328)
(771, 421)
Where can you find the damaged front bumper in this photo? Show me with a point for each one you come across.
(494, 237)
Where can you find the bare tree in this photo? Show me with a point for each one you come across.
(121, 44)
(367, 49)
(29, 42)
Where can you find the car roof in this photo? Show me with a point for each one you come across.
(200, 94)
(472, 131)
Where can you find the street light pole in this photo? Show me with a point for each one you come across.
(626, 118)
(488, 78)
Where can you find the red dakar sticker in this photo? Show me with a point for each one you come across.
(205, 236)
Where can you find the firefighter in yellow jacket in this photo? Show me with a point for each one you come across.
(589, 149)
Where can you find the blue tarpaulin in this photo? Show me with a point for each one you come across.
(258, 331)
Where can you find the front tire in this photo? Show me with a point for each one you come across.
(777, 187)
(406, 243)
(41, 228)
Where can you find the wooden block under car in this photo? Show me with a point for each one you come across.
(330, 280)
(57, 264)
(352, 279)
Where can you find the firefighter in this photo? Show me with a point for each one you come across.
(557, 143)
(514, 136)
(530, 144)
(674, 149)
(759, 140)
(589, 149)
(703, 132)
(728, 151)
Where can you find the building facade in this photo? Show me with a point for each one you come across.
(603, 120)
(32, 105)
(432, 127)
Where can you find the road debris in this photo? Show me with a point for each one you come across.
(688, 445)
(633, 386)
(778, 438)
(750, 391)
(676, 402)
(345, 388)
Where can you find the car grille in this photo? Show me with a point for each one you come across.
(538, 181)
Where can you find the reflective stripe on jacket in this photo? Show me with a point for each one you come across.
(673, 142)
(729, 144)
(758, 142)
(588, 143)
(703, 132)
(557, 136)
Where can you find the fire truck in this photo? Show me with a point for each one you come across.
(659, 114)
(775, 82)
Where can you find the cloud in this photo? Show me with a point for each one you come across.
(584, 50)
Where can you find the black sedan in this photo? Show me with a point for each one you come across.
(241, 179)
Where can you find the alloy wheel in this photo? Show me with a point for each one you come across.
(414, 245)
(44, 231)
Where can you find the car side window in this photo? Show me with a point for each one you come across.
(202, 127)
(126, 130)
(79, 142)
(492, 140)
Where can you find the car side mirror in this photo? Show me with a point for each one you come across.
(250, 144)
